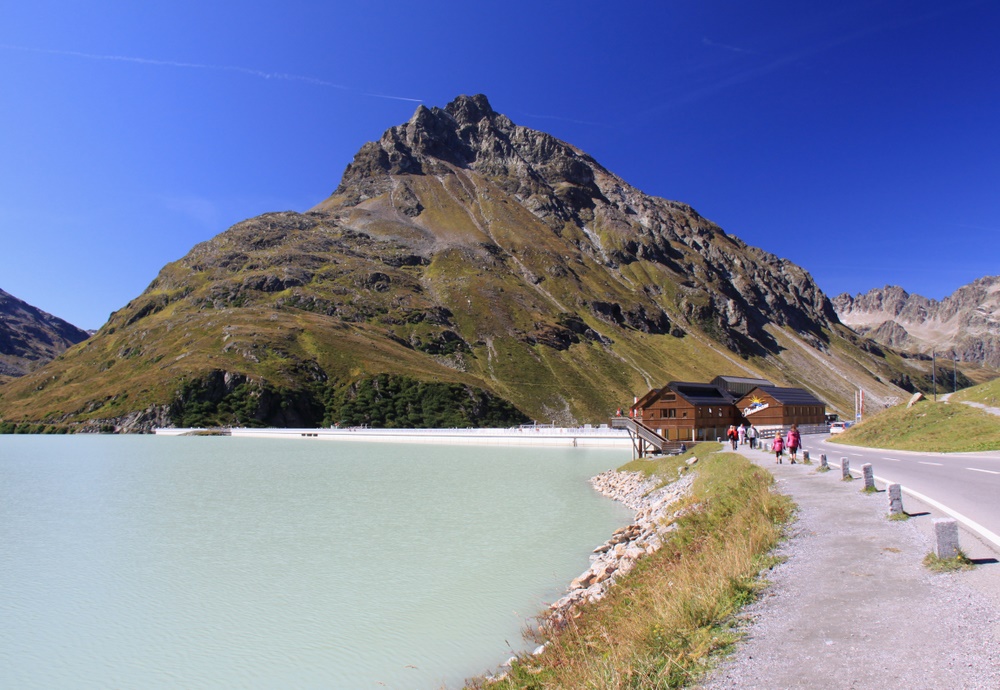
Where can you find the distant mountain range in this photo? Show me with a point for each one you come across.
(966, 324)
(466, 271)
(30, 337)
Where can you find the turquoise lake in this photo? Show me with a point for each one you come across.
(155, 562)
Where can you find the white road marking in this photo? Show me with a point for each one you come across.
(939, 464)
(976, 469)
(892, 459)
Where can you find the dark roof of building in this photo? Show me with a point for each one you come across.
(739, 379)
(701, 393)
(791, 396)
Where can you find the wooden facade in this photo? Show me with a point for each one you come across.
(684, 411)
(767, 406)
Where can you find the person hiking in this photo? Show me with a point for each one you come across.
(733, 436)
(793, 442)
(742, 431)
(752, 436)
(777, 447)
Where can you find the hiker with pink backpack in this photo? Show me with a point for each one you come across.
(777, 446)
(793, 442)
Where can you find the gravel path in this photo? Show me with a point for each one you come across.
(981, 406)
(853, 607)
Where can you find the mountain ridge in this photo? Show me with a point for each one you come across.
(965, 324)
(30, 337)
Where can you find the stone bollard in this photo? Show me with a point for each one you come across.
(805, 458)
(822, 462)
(869, 476)
(946, 532)
(895, 492)
(845, 468)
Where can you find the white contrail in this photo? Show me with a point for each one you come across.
(260, 74)
(394, 98)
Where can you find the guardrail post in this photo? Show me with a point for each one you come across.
(869, 476)
(946, 532)
(822, 462)
(845, 468)
(895, 492)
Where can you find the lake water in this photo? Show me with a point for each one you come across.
(152, 562)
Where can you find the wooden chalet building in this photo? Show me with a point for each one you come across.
(770, 406)
(685, 411)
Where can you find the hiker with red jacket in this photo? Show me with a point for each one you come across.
(733, 436)
(793, 442)
(777, 447)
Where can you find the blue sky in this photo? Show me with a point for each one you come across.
(860, 139)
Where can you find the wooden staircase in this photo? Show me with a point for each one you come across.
(645, 441)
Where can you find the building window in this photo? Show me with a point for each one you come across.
(672, 414)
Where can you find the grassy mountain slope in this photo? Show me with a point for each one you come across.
(462, 249)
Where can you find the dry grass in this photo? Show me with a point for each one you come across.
(662, 625)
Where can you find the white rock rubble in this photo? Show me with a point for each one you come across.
(618, 555)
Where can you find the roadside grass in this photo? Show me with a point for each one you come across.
(898, 517)
(664, 624)
(927, 426)
(948, 565)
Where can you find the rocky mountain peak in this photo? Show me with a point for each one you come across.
(470, 146)
(465, 134)
(470, 110)
(965, 324)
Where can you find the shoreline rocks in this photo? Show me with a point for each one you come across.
(619, 554)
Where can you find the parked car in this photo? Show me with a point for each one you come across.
(838, 427)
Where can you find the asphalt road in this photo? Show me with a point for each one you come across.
(965, 483)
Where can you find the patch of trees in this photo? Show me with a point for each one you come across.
(397, 402)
